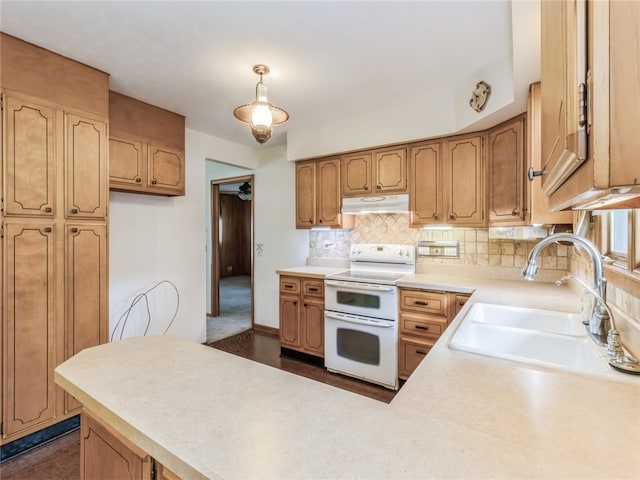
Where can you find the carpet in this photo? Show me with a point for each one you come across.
(235, 308)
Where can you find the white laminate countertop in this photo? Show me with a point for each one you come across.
(310, 271)
(208, 414)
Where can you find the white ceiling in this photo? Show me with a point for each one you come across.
(328, 59)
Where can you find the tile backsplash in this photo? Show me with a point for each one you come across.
(475, 246)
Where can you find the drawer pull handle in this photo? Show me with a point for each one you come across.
(421, 303)
(314, 289)
(422, 327)
(421, 352)
(288, 286)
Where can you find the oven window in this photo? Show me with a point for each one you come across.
(358, 346)
(353, 299)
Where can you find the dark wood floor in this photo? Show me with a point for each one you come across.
(60, 458)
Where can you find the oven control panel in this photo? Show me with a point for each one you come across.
(386, 253)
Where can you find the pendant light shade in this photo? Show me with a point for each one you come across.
(261, 115)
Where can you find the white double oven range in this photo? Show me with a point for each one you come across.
(361, 313)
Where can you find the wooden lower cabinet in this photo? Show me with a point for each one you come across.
(302, 315)
(411, 351)
(424, 316)
(104, 454)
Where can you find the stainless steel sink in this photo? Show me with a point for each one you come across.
(538, 337)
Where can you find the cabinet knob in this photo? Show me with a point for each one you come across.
(75, 230)
(48, 230)
(320, 221)
(74, 210)
(138, 180)
(154, 182)
(47, 209)
(435, 217)
(514, 212)
(452, 216)
(378, 187)
(366, 187)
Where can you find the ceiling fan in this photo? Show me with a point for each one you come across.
(244, 191)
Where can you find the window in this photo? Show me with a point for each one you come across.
(620, 239)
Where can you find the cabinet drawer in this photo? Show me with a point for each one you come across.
(434, 303)
(290, 285)
(459, 302)
(411, 352)
(313, 288)
(422, 326)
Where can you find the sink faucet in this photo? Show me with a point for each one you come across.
(598, 317)
(601, 323)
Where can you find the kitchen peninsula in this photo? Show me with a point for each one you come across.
(202, 413)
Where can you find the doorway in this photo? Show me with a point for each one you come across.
(231, 309)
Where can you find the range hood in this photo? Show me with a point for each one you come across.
(375, 204)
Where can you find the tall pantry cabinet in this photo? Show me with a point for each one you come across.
(54, 202)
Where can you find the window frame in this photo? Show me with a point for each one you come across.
(627, 265)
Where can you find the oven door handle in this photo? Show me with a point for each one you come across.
(358, 320)
(358, 286)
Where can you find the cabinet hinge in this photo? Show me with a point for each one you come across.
(582, 121)
(1, 236)
(153, 472)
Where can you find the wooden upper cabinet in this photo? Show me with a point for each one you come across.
(375, 172)
(146, 144)
(357, 174)
(464, 175)
(28, 316)
(608, 175)
(165, 170)
(425, 199)
(329, 200)
(29, 158)
(390, 170)
(85, 168)
(306, 194)
(318, 199)
(127, 163)
(539, 212)
(506, 160)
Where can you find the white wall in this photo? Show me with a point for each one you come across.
(275, 230)
(160, 238)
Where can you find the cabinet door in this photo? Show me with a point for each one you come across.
(306, 194)
(538, 203)
(411, 351)
(506, 173)
(86, 190)
(29, 158)
(459, 301)
(624, 89)
(390, 170)
(165, 170)
(356, 174)
(312, 322)
(290, 322)
(127, 162)
(562, 69)
(329, 201)
(28, 326)
(86, 291)
(425, 201)
(465, 179)
(104, 456)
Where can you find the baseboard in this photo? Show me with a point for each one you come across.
(266, 329)
(24, 444)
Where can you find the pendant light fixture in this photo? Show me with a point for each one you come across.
(261, 115)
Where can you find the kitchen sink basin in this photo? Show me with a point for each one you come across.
(539, 337)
